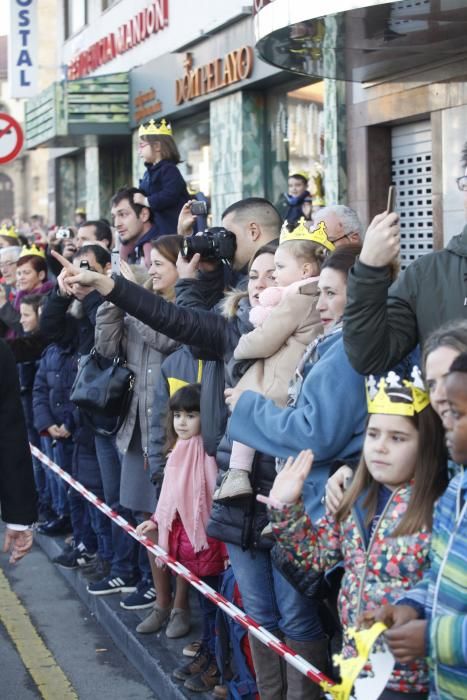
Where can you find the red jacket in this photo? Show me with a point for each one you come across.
(208, 562)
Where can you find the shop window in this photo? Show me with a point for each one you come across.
(192, 137)
(295, 138)
(76, 16)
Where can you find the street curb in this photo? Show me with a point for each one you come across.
(154, 655)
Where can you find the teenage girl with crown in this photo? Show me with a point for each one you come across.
(162, 183)
(286, 321)
(382, 528)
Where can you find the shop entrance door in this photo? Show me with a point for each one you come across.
(411, 173)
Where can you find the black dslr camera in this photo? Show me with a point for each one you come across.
(213, 244)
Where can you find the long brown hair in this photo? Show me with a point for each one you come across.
(430, 478)
(169, 150)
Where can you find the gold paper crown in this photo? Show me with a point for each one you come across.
(8, 232)
(302, 173)
(152, 129)
(31, 250)
(302, 233)
(391, 396)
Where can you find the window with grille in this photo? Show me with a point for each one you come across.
(411, 173)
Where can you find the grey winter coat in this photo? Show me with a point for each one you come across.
(144, 350)
(383, 323)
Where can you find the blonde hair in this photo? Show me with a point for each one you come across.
(308, 251)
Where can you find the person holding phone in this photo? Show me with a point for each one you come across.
(384, 319)
(163, 186)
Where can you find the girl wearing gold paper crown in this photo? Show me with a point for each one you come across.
(163, 184)
(285, 321)
(382, 528)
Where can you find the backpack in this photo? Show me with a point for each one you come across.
(232, 647)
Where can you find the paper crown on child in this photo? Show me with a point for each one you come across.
(31, 250)
(302, 173)
(302, 233)
(153, 129)
(9, 232)
(393, 396)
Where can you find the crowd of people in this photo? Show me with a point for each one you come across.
(297, 420)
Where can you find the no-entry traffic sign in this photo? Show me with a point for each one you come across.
(11, 138)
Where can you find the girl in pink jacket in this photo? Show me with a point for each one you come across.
(181, 517)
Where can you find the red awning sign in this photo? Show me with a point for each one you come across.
(11, 138)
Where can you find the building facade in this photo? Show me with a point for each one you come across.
(401, 70)
(240, 124)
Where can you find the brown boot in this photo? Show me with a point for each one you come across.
(269, 670)
(299, 687)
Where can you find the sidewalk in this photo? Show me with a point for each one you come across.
(153, 655)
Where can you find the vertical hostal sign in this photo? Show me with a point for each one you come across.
(22, 64)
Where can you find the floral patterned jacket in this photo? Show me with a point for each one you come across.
(377, 570)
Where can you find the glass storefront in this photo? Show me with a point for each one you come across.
(295, 138)
(192, 137)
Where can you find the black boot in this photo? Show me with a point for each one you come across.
(299, 687)
(269, 669)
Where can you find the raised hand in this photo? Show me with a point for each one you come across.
(186, 220)
(381, 245)
(126, 270)
(288, 484)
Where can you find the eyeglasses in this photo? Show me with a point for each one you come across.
(462, 183)
(334, 240)
(7, 264)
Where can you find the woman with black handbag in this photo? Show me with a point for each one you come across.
(118, 334)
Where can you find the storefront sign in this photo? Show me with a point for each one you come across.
(235, 66)
(151, 20)
(146, 104)
(22, 65)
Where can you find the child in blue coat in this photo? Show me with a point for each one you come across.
(162, 183)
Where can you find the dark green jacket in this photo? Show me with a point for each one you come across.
(383, 323)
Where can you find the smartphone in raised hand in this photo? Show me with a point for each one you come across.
(392, 194)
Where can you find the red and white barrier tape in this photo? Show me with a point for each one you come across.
(229, 608)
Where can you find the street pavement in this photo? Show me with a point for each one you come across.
(52, 645)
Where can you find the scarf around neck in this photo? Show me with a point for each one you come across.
(189, 482)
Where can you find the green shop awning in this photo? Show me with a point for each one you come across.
(64, 113)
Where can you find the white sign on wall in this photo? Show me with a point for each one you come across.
(22, 54)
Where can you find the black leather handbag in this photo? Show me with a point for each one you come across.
(103, 387)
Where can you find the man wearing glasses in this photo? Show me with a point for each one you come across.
(342, 224)
(385, 320)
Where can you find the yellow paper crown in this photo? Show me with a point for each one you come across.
(152, 129)
(302, 233)
(31, 250)
(303, 174)
(391, 396)
(9, 232)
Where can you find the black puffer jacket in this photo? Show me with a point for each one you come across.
(383, 323)
(214, 335)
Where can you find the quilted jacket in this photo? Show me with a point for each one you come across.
(377, 570)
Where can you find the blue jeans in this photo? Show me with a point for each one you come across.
(80, 521)
(270, 600)
(125, 548)
(208, 612)
(62, 454)
(42, 474)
